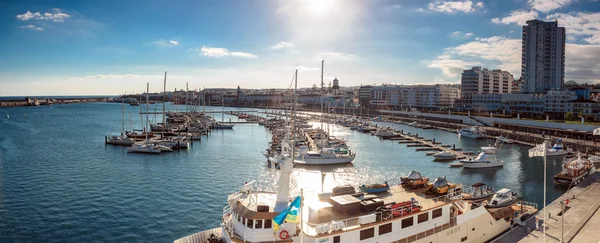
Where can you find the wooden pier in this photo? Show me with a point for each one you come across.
(431, 144)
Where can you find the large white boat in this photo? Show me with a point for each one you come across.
(472, 132)
(574, 171)
(483, 160)
(144, 148)
(326, 156)
(395, 216)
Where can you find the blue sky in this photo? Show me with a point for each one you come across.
(112, 47)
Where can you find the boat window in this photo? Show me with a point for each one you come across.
(267, 223)
(336, 239)
(423, 217)
(249, 223)
(258, 224)
(384, 229)
(463, 239)
(239, 218)
(407, 222)
(366, 234)
(436, 213)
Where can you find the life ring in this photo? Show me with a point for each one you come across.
(284, 235)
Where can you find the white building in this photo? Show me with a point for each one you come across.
(479, 80)
(558, 101)
(543, 56)
(417, 96)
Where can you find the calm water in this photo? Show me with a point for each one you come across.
(60, 183)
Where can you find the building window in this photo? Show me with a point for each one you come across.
(366, 234)
(267, 223)
(407, 222)
(384, 229)
(423, 217)
(436, 213)
(336, 239)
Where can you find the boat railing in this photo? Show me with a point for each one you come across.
(527, 204)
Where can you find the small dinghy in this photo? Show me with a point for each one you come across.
(375, 188)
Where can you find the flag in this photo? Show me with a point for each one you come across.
(597, 131)
(290, 214)
(538, 151)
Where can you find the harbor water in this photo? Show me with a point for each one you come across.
(59, 182)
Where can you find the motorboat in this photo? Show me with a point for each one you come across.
(219, 125)
(413, 124)
(483, 160)
(375, 188)
(479, 192)
(414, 180)
(444, 155)
(490, 149)
(343, 190)
(144, 148)
(574, 171)
(366, 129)
(440, 186)
(324, 157)
(472, 132)
(119, 140)
(505, 140)
(557, 149)
(503, 198)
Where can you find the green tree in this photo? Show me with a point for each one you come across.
(569, 116)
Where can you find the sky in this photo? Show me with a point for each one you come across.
(113, 47)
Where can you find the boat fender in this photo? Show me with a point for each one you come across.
(284, 235)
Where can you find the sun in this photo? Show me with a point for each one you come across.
(320, 6)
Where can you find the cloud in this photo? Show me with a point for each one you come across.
(106, 76)
(455, 6)
(222, 52)
(283, 45)
(579, 25)
(396, 6)
(548, 5)
(164, 43)
(516, 17)
(450, 67)
(505, 52)
(55, 16)
(337, 56)
(31, 27)
(461, 35)
(582, 63)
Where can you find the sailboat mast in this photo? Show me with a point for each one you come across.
(293, 115)
(322, 91)
(186, 97)
(147, 106)
(164, 98)
(122, 117)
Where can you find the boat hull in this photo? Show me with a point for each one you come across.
(481, 164)
(328, 161)
(470, 135)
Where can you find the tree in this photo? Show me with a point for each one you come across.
(569, 116)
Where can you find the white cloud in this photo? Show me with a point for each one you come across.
(164, 43)
(579, 25)
(396, 6)
(31, 27)
(548, 5)
(582, 63)
(336, 56)
(283, 45)
(461, 35)
(516, 17)
(222, 52)
(506, 52)
(455, 6)
(55, 16)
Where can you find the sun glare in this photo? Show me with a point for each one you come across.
(320, 6)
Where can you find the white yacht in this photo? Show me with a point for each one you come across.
(413, 124)
(503, 198)
(444, 155)
(220, 125)
(119, 140)
(505, 140)
(556, 149)
(326, 156)
(144, 148)
(483, 160)
(472, 132)
(490, 149)
(396, 216)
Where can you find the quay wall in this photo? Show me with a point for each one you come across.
(59, 101)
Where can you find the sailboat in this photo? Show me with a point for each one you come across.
(120, 139)
(146, 147)
(222, 124)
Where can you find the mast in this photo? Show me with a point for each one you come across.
(164, 98)
(186, 97)
(293, 117)
(322, 91)
(147, 106)
(122, 117)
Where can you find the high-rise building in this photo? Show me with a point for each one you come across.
(543, 56)
(479, 80)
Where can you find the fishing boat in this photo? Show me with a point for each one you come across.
(483, 160)
(440, 186)
(472, 132)
(375, 188)
(478, 192)
(503, 198)
(444, 155)
(574, 171)
(414, 180)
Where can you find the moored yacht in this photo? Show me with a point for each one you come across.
(444, 155)
(557, 149)
(472, 132)
(326, 156)
(483, 160)
(574, 171)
